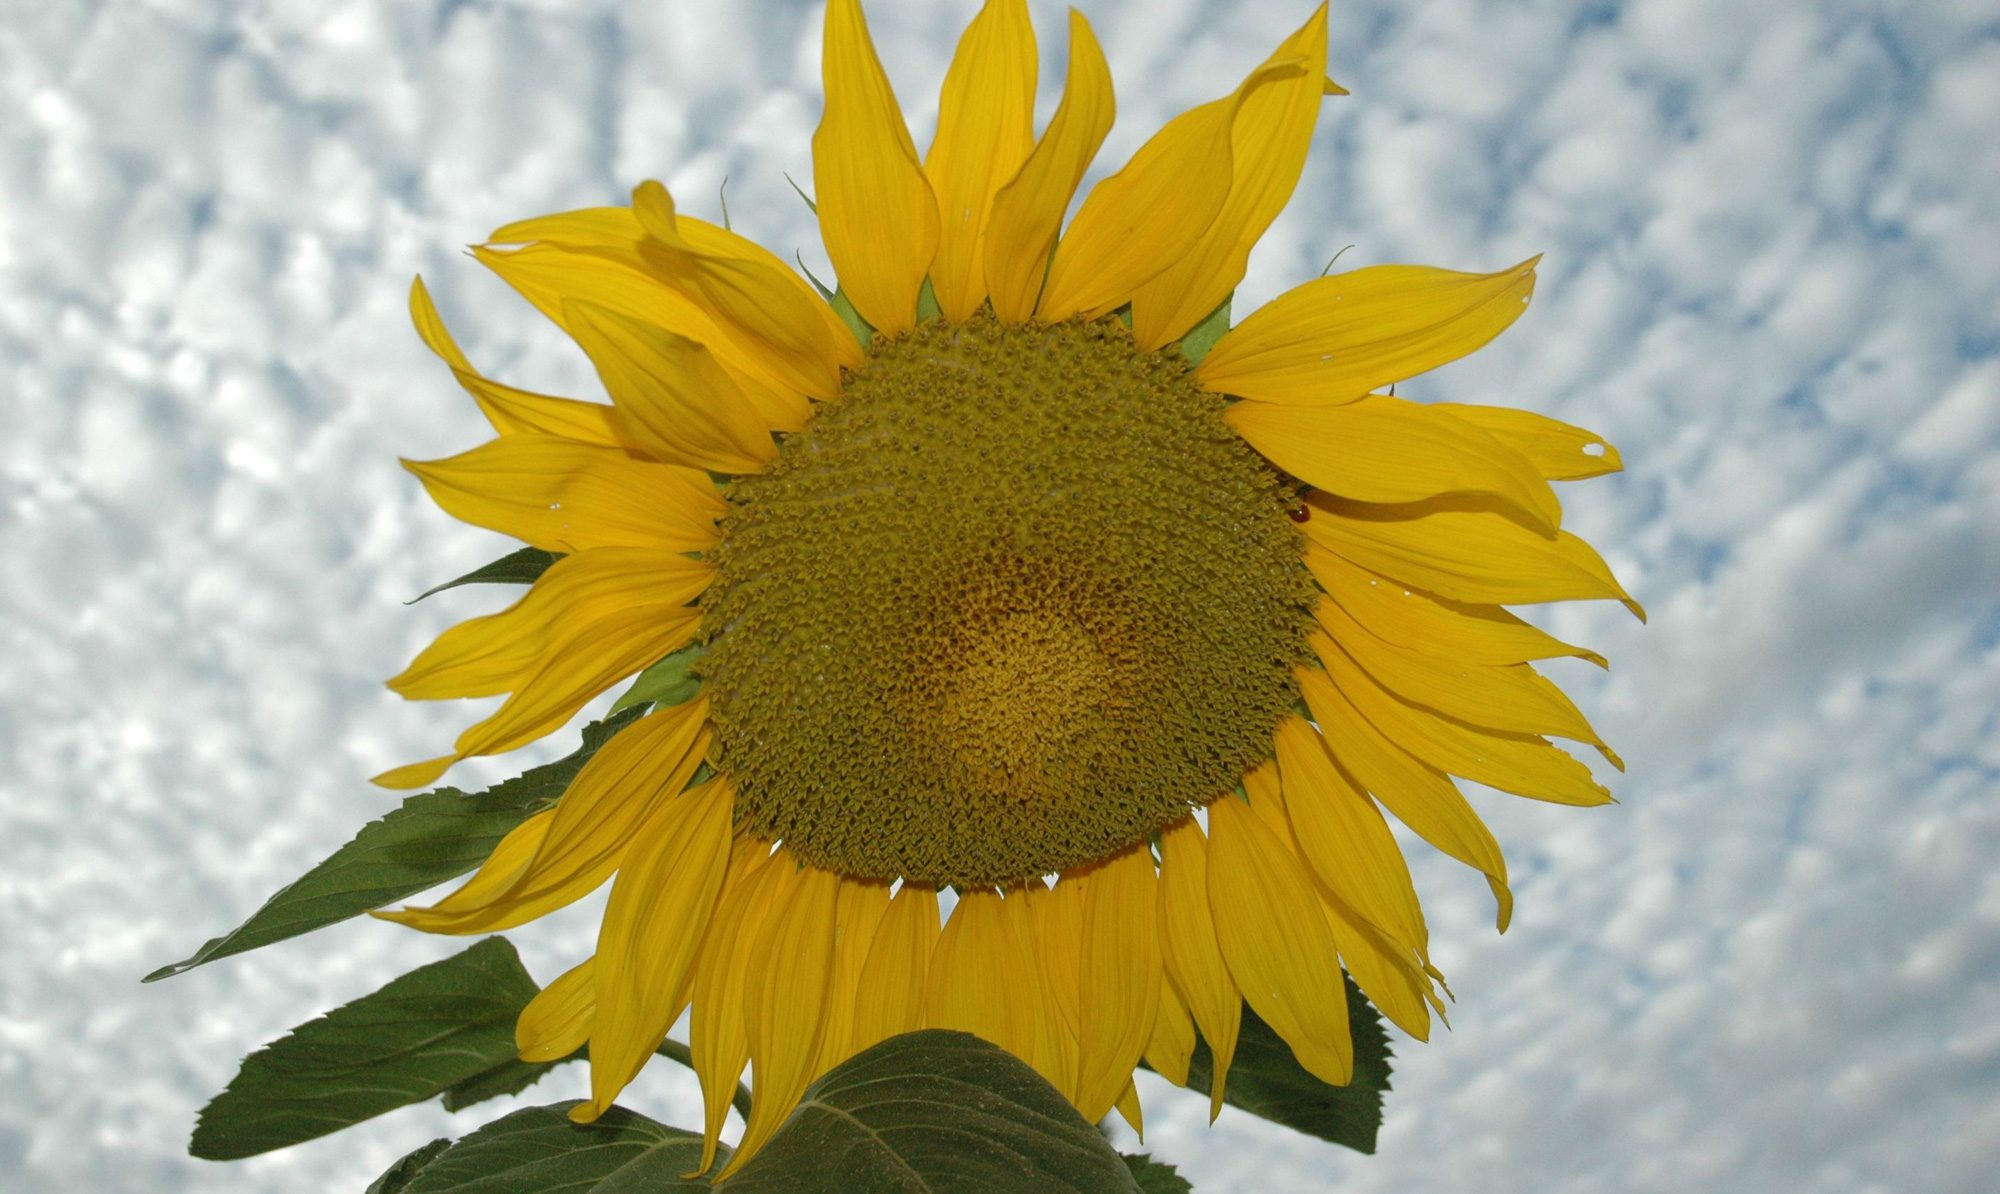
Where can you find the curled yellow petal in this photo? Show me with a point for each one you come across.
(672, 398)
(564, 496)
(1381, 449)
(986, 126)
(877, 214)
(510, 859)
(1028, 211)
(718, 1032)
(1284, 963)
(1346, 334)
(1188, 947)
(1268, 142)
(511, 411)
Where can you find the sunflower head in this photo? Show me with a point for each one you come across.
(1003, 582)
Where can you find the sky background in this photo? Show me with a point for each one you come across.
(1772, 278)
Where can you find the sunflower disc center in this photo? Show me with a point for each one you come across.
(1014, 601)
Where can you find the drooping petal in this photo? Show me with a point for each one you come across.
(1381, 449)
(1284, 963)
(564, 496)
(1561, 452)
(1385, 972)
(671, 396)
(1172, 1044)
(1120, 976)
(587, 833)
(653, 923)
(1129, 1111)
(1514, 699)
(1419, 795)
(1055, 922)
(889, 999)
(558, 1020)
(1463, 552)
(757, 301)
(1346, 334)
(1028, 211)
(511, 411)
(877, 214)
(1525, 765)
(718, 1032)
(1188, 947)
(791, 966)
(1137, 222)
(1268, 142)
(858, 913)
(966, 990)
(591, 620)
(986, 126)
(510, 859)
(552, 276)
(1344, 840)
(1438, 626)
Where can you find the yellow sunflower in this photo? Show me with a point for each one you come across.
(989, 586)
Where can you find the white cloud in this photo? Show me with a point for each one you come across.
(1773, 275)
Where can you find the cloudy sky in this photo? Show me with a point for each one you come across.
(1772, 278)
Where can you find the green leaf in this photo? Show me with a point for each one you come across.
(434, 836)
(669, 682)
(519, 568)
(934, 1110)
(398, 1177)
(1267, 1081)
(538, 1148)
(509, 1077)
(425, 1032)
(1155, 1177)
(1202, 336)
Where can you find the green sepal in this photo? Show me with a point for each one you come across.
(1202, 336)
(434, 836)
(424, 1033)
(1268, 1082)
(1155, 1177)
(522, 567)
(927, 304)
(671, 681)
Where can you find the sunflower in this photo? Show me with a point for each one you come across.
(1004, 571)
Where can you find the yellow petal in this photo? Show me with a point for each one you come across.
(672, 398)
(511, 411)
(1268, 143)
(590, 621)
(551, 277)
(877, 214)
(1561, 452)
(1381, 449)
(658, 911)
(889, 999)
(1514, 699)
(1344, 840)
(1420, 621)
(759, 303)
(1028, 211)
(1188, 947)
(1522, 764)
(1462, 552)
(1344, 335)
(1384, 971)
(977, 972)
(1284, 962)
(791, 966)
(1419, 795)
(857, 915)
(1172, 1044)
(557, 1021)
(986, 126)
(564, 496)
(718, 1032)
(1119, 990)
(1128, 1109)
(1139, 221)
